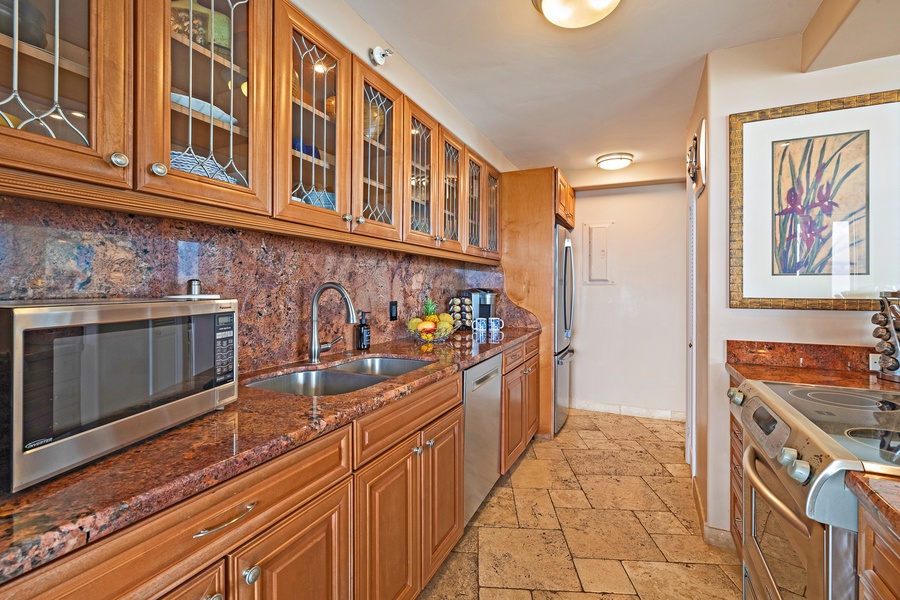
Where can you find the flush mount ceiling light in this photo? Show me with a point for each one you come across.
(573, 14)
(616, 160)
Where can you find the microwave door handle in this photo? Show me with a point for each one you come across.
(776, 503)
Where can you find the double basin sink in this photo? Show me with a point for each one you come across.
(341, 379)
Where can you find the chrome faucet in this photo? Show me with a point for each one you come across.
(315, 348)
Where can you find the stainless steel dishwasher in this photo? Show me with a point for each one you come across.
(481, 401)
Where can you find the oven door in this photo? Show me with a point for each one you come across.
(784, 551)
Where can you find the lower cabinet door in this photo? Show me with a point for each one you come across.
(387, 552)
(532, 396)
(512, 417)
(305, 555)
(208, 584)
(442, 481)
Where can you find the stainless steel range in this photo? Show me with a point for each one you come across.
(800, 520)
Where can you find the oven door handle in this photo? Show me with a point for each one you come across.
(774, 501)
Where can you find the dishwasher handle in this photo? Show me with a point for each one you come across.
(481, 381)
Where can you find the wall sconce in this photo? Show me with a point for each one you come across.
(573, 14)
(616, 160)
(378, 54)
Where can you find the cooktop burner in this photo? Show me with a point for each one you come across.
(820, 397)
(875, 444)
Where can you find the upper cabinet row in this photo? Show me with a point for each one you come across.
(241, 104)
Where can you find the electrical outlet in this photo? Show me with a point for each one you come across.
(874, 365)
(393, 310)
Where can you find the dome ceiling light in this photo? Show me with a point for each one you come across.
(616, 160)
(573, 14)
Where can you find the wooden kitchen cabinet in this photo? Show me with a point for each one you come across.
(90, 130)
(421, 150)
(409, 496)
(737, 485)
(565, 201)
(519, 407)
(376, 155)
(313, 78)
(453, 194)
(203, 102)
(475, 172)
(878, 563)
(209, 584)
(305, 555)
(492, 214)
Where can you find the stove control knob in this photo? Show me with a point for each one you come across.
(885, 348)
(787, 456)
(881, 333)
(799, 470)
(889, 363)
(879, 319)
(736, 396)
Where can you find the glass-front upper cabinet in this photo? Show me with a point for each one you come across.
(476, 173)
(491, 215)
(312, 113)
(421, 139)
(377, 160)
(65, 88)
(453, 192)
(203, 112)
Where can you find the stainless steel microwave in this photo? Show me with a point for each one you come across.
(82, 378)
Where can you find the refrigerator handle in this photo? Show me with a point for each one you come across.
(569, 288)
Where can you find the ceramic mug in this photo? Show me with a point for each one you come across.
(495, 324)
(480, 324)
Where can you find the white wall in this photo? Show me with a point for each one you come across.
(346, 26)
(630, 337)
(740, 79)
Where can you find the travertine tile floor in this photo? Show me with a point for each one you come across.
(602, 512)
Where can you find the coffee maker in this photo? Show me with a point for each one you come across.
(483, 302)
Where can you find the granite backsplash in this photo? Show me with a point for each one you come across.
(50, 250)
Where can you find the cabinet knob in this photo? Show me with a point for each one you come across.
(443, 239)
(251, 574)
(348, 217)
(119, 160)
(568, 214)
(159, 169)
(430, 443)
(418, 450)
(216, 597)
(360, 220)
(437, 238)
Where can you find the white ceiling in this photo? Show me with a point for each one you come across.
(550, 96)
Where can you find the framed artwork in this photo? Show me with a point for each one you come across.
(815, 204)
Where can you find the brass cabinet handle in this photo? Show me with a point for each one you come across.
(159, 169)
(246, 512)
(119, 159)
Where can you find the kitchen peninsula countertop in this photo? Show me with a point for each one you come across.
(839, 366)
(66, 513)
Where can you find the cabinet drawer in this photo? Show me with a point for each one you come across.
(206, 585)
(158, 553)
(879, 562)
(376, 432)
(531, 348)
(513, 358)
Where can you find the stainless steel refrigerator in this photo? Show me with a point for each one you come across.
(564, 309)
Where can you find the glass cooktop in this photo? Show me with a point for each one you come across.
(865, 422)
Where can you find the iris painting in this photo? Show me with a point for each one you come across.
(820, 219)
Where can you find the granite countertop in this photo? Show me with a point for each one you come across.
(839, 366)
(70, 511)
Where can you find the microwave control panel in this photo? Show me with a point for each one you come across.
(224, 348)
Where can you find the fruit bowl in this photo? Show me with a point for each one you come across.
(432, 327)
(438, 335)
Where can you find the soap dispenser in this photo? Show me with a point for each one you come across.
(363, 334)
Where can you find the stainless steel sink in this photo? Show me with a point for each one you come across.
(383, 367)
(317, 383)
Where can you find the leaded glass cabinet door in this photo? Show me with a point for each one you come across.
(65, 89)
(312, 116)
(421, 151)
(491, 214)
(376, 155)
(476, 173)
(452, 209)
(203, 101)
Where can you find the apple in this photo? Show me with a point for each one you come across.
(426, 327)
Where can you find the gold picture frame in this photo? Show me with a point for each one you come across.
(738, 246)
